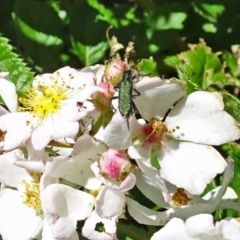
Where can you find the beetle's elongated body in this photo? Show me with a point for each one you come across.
(126, 105)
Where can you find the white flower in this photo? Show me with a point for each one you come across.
(201, 226)
(19, 209)
(51, 108)
(180, 141)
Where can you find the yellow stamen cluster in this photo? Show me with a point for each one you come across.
(180, 198)
(46, 98)
(32, 194)
(43, 101)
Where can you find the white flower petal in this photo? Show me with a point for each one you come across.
(85, 151)
(17, 221)
(117, 134)
(3, 111)
(145, 215)
(40, 139)
(63, 206)
(200, 118)
(127, 184)
(187, 211)
(17, 129)
(174, 230)
(10, 174)
(32, 166)
(8, 93)
(47, 233)
(202, 226)
(150, 188)
(217, 194)
(89, 231)
(190, 166)
(97, 69)
(230, 229)
(53, 130)
(138, 152)
(75, 203)
(109, 197)
(157, 95)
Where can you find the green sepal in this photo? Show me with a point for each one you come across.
(154, 157)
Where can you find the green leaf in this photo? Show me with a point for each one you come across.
(89, 55)
(106, 13)
(168, 16)
(147, 67)
(231, 62)
(203, 67)
(211, 12)
(232, 106)
(235, 154)
(10, 62)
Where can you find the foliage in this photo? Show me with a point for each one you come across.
(10, 62)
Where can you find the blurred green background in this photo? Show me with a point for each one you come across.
(50, 34)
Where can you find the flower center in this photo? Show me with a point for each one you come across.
(45, 99)
(32, 194)
(180, 198)
(154, 131)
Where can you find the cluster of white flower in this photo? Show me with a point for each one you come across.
(67, 154)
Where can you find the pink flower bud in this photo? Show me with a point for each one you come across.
(115, 165)
(114, 71)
